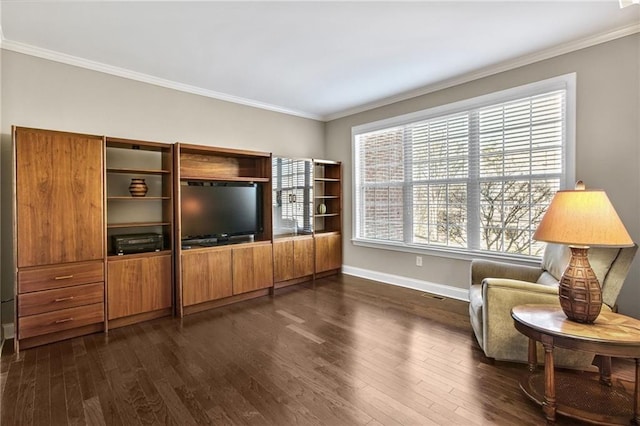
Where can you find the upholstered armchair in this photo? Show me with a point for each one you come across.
(496, 287)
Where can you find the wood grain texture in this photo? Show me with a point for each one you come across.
(59, 197)
(282, 260)
(293, 258)
(62, 298)
(608, 330)
(380, 355)
(303, 257)
(221, 166)
(252, 268)
(57, 336)
(208, 166)
(138, 285)
(212, 304)
(206, 275)
(63, 319)
(328, 247)
(58, 276)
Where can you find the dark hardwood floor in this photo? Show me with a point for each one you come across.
(342, 351)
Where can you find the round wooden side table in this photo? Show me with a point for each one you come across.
(579, 396)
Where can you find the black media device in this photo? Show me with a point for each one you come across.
(220, 210)
(136, 243)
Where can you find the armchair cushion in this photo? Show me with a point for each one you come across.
(555, 260)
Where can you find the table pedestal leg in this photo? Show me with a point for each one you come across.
(636, 395)
(549, 405)
(533, 356)
(604, 366)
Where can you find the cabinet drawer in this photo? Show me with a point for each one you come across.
(60, 320)
(58, 276)
(61, 298)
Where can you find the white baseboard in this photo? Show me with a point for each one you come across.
(426, 286)
(8, 331)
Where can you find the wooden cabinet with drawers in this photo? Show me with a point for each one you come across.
(59, 301)
(59, 229)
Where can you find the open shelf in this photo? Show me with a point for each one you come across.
(325, 232)
(138, 255)
(139, 285)
(129, 171)
(227, 178)
(129, 198)
(323, 179)
(136, 224)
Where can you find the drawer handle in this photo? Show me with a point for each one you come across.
(63, 277)
(64, 320)
(62, 299)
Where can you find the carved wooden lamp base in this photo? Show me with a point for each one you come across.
(580, 292)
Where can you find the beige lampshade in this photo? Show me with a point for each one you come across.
(582, 218)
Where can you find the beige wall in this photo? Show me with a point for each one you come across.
(2, 264)
(45, 94)
(607, 150)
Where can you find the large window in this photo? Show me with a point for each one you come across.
(476, 176)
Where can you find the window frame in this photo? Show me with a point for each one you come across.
(565, 82)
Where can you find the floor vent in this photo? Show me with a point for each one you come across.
(433, 296)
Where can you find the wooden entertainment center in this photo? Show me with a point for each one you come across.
(207, 277)
(75, 198)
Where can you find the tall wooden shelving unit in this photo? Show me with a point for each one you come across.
(207, 277)
(327, 178)
(58, 221)
(139, 285)
(292, 197)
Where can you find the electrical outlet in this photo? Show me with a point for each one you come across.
(418, 260)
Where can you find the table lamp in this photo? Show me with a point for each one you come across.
(581, 218)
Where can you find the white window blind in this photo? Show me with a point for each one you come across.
(477, 179)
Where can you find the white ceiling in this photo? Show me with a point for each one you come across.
(315, 59)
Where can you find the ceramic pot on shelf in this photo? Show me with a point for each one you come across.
(138, 187)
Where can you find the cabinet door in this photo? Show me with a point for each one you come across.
(328, 252)
(138, 285)
(59, 207)
(206, 276)
(252, 268)
(302, 257)
(283, 259)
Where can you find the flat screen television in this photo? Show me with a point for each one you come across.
(220, 209)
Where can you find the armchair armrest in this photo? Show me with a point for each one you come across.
(481, 269)
(501, 339)
(525, 287)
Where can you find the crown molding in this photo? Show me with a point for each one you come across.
(51, 55)
(465, 78)
(494, 69)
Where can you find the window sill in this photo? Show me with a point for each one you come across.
(448, 253)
